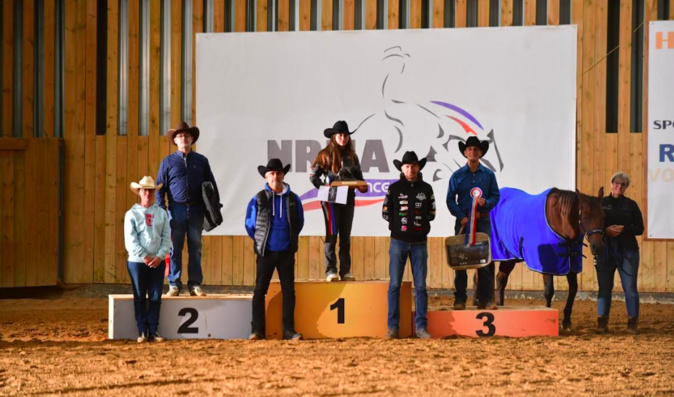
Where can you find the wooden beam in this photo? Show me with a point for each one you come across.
(461, 9)
(302, 272)
(624, 83)
(438, 14)
(219, 16)
(370, 14)
(75, 267)
(393, 18)
(100, 214)
(28, 68)
(35, 194)
(155, 78)
(7, 228)
(240, 17)
(507, 13)
(316, 259)
(197, 27)
(483, 13)
(553, 12)
(19, 216)
(13, 144)
(111, 143)
(91, 207)
(49, 26)
(529, 12)
(7, 68)
(349, 14)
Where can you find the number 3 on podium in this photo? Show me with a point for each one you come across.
(339, 305)
(488, 322)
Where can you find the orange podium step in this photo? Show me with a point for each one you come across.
(339, 309)
(513, 321)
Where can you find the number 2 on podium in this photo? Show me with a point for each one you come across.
(339, 305)
(185, 327)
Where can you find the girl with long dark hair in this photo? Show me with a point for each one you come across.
(338, 162)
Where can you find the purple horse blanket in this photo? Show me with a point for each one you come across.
(520, 230)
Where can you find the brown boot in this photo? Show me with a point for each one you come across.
(489, 305)
(632, 323)
(602, 325)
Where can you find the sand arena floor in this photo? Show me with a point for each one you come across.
(59, 347)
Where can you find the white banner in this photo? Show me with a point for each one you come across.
(660, 177)
(268, 95)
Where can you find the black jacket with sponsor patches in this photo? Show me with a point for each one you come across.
(409, 208)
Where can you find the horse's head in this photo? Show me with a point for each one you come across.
(591, 220)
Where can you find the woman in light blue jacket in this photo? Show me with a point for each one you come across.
(147, 238)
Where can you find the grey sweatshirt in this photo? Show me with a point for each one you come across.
(146, 232)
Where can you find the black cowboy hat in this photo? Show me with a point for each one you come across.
(273, 165)
(184, 127)
(340, 127)
(473, 141)
(410, 158)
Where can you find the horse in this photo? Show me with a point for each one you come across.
(569, 217)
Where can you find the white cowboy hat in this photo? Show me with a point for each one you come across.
(146, 183)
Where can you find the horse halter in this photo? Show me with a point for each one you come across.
(590, 232)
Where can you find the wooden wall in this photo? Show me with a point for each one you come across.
(29, 211)
(98, 168)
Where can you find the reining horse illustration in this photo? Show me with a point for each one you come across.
(547, 232)
(429, 126)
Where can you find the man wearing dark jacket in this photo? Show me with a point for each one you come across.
(183, 173)
(274, 219)
(409, 207)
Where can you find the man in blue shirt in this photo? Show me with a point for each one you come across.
(182, 173)
(459, 201)
(274, 219)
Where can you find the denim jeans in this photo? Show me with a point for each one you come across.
(398, 254)
(146, 281)
(186, 219)
(485, 280)
(628, 270)
(284, 262)
(338, 221)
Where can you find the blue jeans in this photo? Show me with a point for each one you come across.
(418, 254)
(186, 219)
(146, 281)
(485, 282)
(628, 270)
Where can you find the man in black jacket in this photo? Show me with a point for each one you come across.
(409, 207)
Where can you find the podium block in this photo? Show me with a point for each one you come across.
(186, 317)
(339, 309)
(513, 321)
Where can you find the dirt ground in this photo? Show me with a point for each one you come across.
(59, 347)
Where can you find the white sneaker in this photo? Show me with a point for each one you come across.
(332, 276)
(155, 337)
(197, 291)
(142, 338)
(173, 291)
